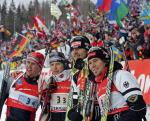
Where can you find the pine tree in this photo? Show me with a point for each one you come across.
(24, 13)
(46, 10)
(11, 17)
(4, 13)
(36, 8)
(18, 19)
(30, 12)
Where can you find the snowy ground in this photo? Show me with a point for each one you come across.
(38, 112)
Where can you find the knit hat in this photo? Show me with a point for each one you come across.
(37, 58)
(80, 42)
(102, 53)
(58, 57)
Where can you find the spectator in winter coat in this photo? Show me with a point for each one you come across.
(64, 48)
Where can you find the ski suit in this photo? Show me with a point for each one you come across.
(126, 101)
(59, 97)
(78, 83)
(23, 100)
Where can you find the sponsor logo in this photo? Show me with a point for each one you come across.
(126, 84)
(19, 82)
(75, 44)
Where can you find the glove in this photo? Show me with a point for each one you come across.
(91, 76)
(79, 64)
(74, 115)
(15, 74)
(52, 84)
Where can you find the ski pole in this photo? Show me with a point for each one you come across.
(4, 86)
(90, 103)
(122, 43)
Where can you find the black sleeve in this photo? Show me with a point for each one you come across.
(137, 109)
(16, 114)
(5, 92)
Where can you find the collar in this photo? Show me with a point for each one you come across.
(32, 80)
(63, 76)
(102, 76)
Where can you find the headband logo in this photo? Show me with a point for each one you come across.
(91, 54)
(76, 44)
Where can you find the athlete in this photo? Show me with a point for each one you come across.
(80, 85)
(58, 85)
(23, 100)
(126, 100)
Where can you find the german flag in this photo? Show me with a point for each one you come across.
(23, 41)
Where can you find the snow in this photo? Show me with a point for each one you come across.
(38, 113)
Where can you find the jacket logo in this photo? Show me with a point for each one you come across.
(126, 84)
(19, 82)
(132, 98)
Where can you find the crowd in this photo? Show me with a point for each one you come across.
(136, 43)
(97, 28)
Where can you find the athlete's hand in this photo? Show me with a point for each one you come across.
(15, 74)
(74, 115)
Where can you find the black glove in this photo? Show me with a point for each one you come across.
(73, 115)
(79, 64)
(91, 76)
(52, 84)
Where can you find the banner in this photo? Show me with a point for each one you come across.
(140, 69)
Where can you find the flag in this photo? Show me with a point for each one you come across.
(117, 54)
(118, 11)
(55, 11)
(145, 13)
(122, 11)
(104, 5)
(127, 2)
(23, 41)
(40, 24)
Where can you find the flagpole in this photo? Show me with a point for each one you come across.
(0, 17)
(50, 14)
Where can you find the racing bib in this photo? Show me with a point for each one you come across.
(58, 102)
(28, 101)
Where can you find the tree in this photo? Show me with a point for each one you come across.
(24, 14)
(30, 12)
(4, 13)
(11, 17)
(36, 8)
(45, 12)
(18, 18)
